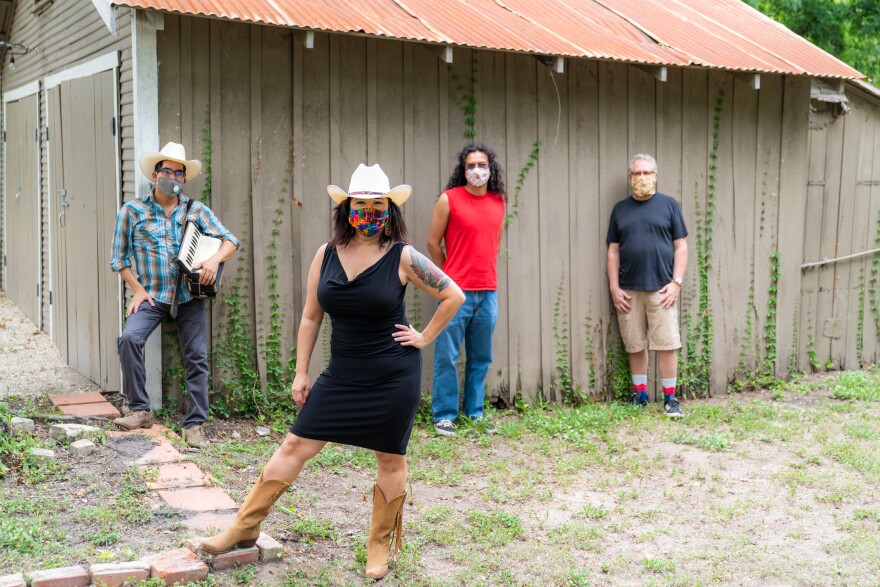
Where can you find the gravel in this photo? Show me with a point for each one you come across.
(30, 363)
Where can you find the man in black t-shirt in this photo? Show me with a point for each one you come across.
(647, 256)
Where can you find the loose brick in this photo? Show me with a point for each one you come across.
(82, 447)
(43, 455)
(62, 577)
(198, 499)
(100, 410)
(178, 476)
(164, 453)
(17, 424)
(115, 574)
(179, 570)
(70, 432)
(237, 557)
(69, 399)
(171, 555)
(16, 580)
(270, 549)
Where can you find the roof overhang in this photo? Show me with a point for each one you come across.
(731, 36)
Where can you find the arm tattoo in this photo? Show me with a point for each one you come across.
(429, 273)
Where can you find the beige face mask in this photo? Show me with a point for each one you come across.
(643, 186)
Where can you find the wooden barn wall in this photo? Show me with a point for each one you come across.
(839, 307)
(57, 46)
(284, 121)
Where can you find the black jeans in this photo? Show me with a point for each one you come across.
(191, 328)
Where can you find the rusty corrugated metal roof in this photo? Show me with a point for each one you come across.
(725, 34)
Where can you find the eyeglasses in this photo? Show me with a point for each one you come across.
(178, 174)
(480, 165)
(642, 172)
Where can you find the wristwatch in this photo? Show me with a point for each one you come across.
(678, 281)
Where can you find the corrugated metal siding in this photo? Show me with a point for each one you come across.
(723, 34)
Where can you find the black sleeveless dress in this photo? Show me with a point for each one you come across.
(369, 393)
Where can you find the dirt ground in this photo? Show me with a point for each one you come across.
(770, 488)
(29, 362)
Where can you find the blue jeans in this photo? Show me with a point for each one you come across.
(474, 323)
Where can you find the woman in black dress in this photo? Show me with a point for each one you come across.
(369, 393)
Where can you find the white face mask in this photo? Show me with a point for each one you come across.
(478, 176)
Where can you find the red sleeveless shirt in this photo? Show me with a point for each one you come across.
(475, 224)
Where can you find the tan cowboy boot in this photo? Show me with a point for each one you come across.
(387, 518)
(246, 528)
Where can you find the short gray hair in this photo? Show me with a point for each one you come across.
(643, 157)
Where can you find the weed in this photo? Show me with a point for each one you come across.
(592, 512)
(497, 528)
(658, 565)
(856, 385)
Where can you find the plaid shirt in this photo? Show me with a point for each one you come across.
(145, 234)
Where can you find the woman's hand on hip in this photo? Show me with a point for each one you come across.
(300, 389)
(409, 336)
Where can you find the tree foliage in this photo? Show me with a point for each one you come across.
(848, 29)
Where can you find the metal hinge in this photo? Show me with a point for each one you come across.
(50, 297)
(4, 260)
(37, 134)
(113, 126)
(47, 134)
(4, 136)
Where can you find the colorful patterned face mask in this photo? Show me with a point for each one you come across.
(368, 221)
(644, 185)
(477, 176)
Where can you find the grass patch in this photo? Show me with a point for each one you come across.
(717, 441)
(856, 385)
(495, 528)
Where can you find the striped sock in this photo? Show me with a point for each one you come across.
(640, 386)
(668, 387)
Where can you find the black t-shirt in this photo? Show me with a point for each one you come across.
(645, 231)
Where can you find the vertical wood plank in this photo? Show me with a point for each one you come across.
(612, 188)
(491, 130)
(767, 192)
(423, 170)
(523, 232)
(553, 214)
(744, 134)
(722, 288)
(792, 213)
(319, 88)
(694, 166)
(588, 286)
(841, 341)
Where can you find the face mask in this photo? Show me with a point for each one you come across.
(643, 185)
(169, 186)
(368, 221)
(478, 176)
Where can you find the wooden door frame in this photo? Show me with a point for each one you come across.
(107, 62)
(22, 92)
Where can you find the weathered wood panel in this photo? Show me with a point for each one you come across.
(793, 195)
(351, 100)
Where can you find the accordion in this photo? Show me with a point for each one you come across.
(196, 247)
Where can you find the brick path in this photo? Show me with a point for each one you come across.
(177, 483)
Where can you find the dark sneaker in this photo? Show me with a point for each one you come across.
(638, 401)
(445, 428)
(673, 410)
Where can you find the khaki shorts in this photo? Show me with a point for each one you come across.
(648, 317)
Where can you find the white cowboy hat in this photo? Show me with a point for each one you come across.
(369, 183)
(170, 152)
